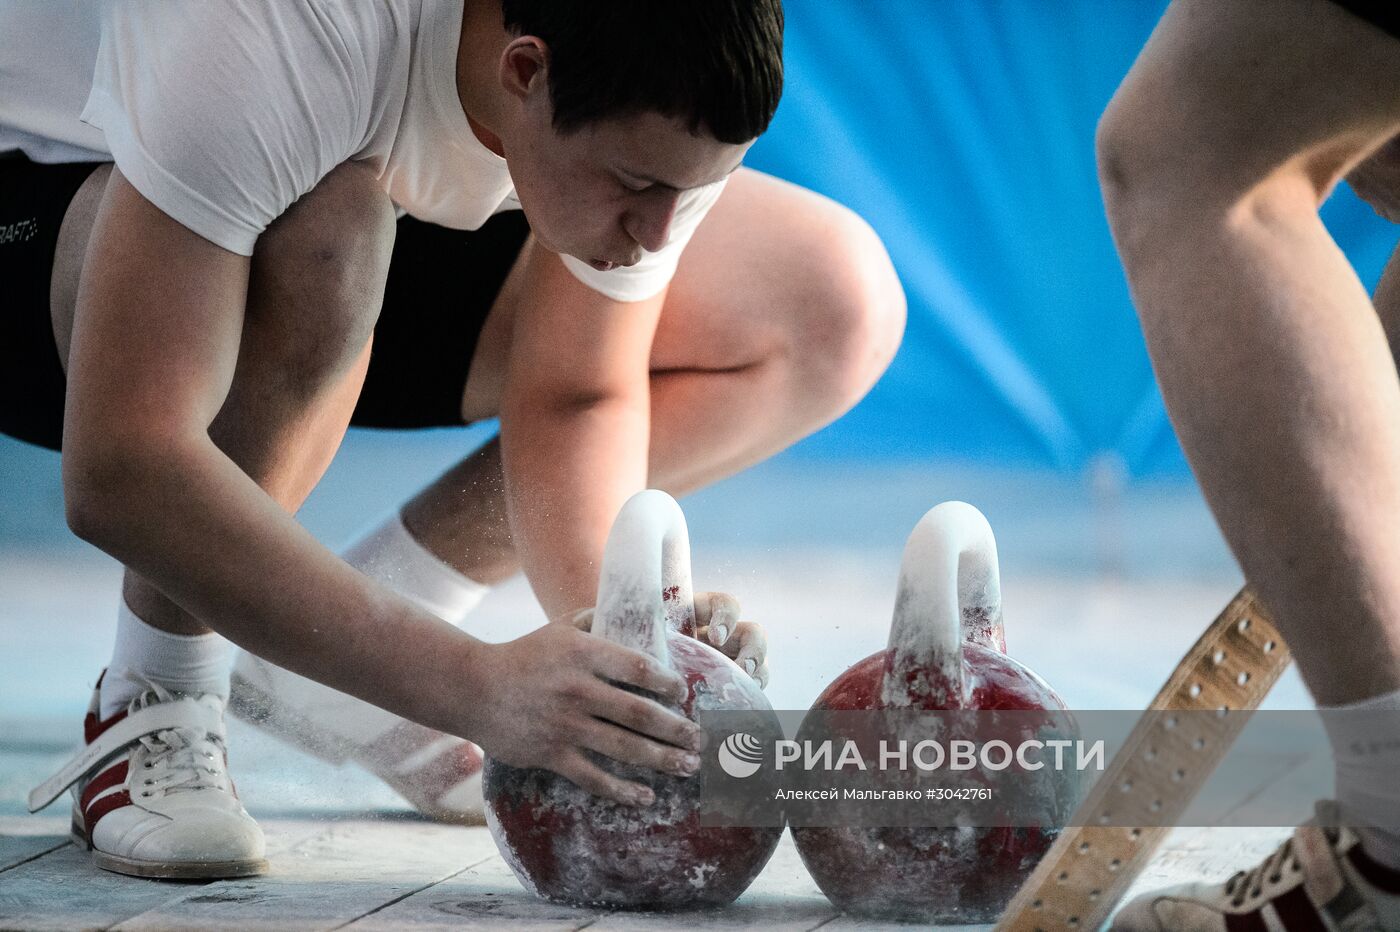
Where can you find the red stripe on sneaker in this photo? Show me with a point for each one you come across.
(1248, 922)
(1377, 874)
(103, 806)
(1297, 913)
(92, 728)
(112, 776)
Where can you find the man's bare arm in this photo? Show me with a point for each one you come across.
(575, 426)
(156, 336)
(575, 444)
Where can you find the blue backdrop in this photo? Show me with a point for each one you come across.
(963, 131)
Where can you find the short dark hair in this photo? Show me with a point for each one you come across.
(717, 64)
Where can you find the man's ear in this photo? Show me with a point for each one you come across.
(525, 66)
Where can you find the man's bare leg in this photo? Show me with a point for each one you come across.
(1234, 125)
(1270, 356)
(784, 311)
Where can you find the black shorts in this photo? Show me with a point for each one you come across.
(441, 286)
(1384, 14)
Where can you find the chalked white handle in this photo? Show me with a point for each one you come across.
(644, 589)
(949, 592)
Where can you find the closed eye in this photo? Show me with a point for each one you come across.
(640, 185)
(632, 184)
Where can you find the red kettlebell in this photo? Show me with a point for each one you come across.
(572, 847)
(946, 652)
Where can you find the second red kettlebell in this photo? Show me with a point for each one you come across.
(947, 651)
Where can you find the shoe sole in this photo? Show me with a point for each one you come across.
(171, 870)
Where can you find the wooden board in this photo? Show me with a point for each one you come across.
(18, 849)
(63, 890)
(342, 873)
(485, 895)
(370, 876)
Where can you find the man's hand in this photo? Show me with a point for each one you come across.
(717, 623)
(548, 700)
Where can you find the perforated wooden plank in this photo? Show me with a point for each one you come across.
(324, 882)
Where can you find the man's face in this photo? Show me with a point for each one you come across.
(605, 192)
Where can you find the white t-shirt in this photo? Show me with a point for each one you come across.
(223, 112)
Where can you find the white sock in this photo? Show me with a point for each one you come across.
(1365, 739)
(186, 663)
(391, 555)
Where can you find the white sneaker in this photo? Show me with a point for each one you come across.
(151, 791)
(1319, 880)
(438, 773)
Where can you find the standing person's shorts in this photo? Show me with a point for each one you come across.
(440, 288)
(1385, 14)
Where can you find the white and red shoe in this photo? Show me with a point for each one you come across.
(439, 774)
(151, 791)
(1319, 880)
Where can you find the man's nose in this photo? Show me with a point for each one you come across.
(648, 219)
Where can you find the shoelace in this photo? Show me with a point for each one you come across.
(1250, 884)
(182, 759)
(179, 758)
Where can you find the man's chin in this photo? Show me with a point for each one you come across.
(589, 259)
(602, 265)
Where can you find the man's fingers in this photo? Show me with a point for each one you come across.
(719, 611)
(730, 648)
(628, 747)
(753, 647)
(748, 646)
(594, 779)
(635, 668)
(648, 718)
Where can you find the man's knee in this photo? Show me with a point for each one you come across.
(318, 279)
(1175, 159)
(1141, 175)
(849, 315)
(1160, 190)
(1120, 160)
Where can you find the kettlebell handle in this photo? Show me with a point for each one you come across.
(949, 593)
(644, 589)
